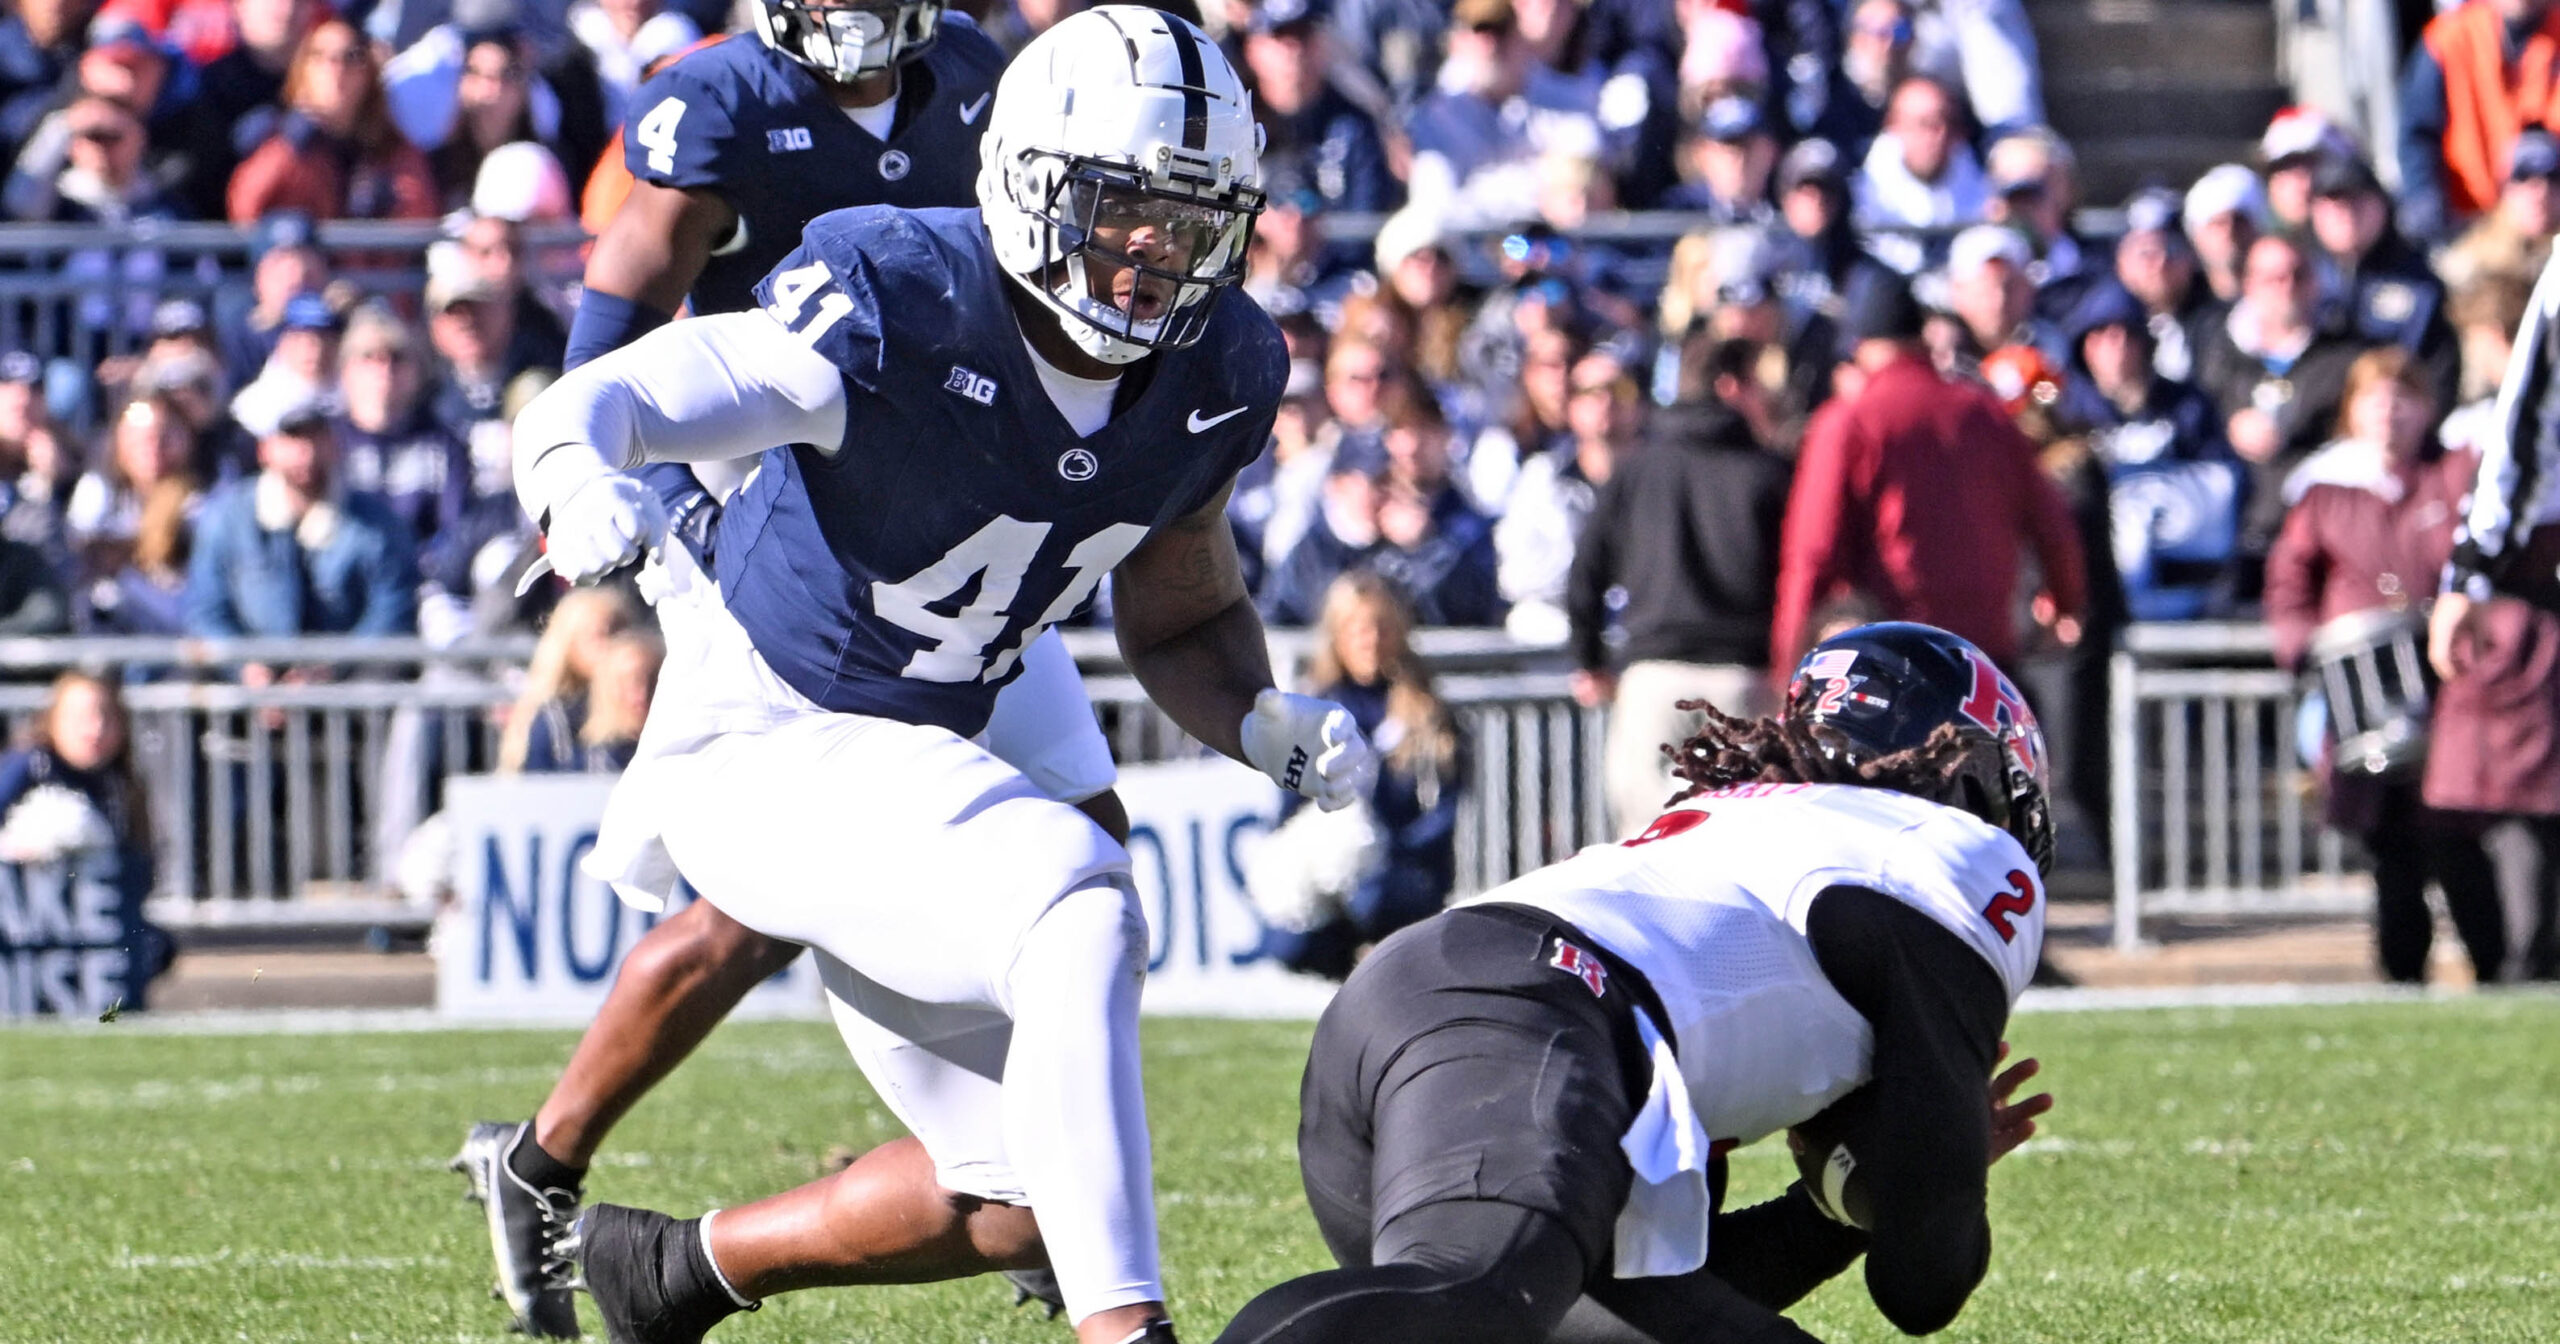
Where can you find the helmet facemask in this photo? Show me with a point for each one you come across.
(1118, 302)
(843, 43)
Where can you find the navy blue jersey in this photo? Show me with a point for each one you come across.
(903, 574)
(756, 128)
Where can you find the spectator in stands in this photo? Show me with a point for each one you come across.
(101, 181)
(1419, 277)
(33, 600)
(236, 85)
(560, 678)
(1315, 133)
(148, 443)
(304, 365)
(389, 443)
(1875, 57)
(471, 325)
(2034, 188)
(1284, 261)
(2174, 488)
(202, 31)
(2277, 379)
(1478, 140)
(2297, 141)
(2486, 315)
(1817, 246)
(493, 106)
(147, 596)
(2514, 237)
(490, 250)
(1396, 43)
(473, 570)
(615, 709)
(1361, 382)
(623, 37)
(1918, 491)
(1722, 54)
(470, 83)
(285, 260)
(73, 786)
(1332, 885)
(1534, 539)
(2370, 526)
(1687, 525)
(291, 552)
(1726, 160)
(1277, 497)
(39, 472)
(2478, 73)
(1798, 344)
(40, 44)
(2384, 292)
(1990, 299)
(1536, 423)
(1920, 173)
(2224, 212)
(193, 382)
(334, 153)
(1435, 546)
(2155, 264)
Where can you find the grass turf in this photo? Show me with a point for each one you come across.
(2377, 1173)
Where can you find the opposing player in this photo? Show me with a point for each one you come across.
(736, 147)
(1522, 1102)
(987, 412)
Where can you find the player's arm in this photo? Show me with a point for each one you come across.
(707, 389)
(2513, 490)
(1189, 632)
(645, 264)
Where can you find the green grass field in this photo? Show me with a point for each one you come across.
(2380, 1173)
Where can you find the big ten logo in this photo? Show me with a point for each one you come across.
(969, 383)
(1190, 876)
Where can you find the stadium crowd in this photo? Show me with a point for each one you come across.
(1880, 374)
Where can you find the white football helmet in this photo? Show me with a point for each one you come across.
(845, 41)
(1118, 119)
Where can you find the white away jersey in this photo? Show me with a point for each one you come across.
(1710, 902)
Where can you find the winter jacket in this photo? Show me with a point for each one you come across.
(349, 571)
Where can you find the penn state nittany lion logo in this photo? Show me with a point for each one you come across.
(1078, 464)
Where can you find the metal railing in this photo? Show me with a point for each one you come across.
(2214, 813)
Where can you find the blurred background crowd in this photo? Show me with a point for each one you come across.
(1865, 352)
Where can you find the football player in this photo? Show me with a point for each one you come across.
(735, 148)
(1523, 1102)
(986, 412)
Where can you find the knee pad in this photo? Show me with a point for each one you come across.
(1095, 930)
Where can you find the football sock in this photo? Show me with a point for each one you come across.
(1075, 1117)
(539, 1169)
(691, 1286)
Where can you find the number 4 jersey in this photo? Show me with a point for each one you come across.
(902, 572)
(1710, 903)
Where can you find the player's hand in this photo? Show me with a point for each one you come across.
(2453, 634)
(2013, 1123)
(1310, 747)
(603, 525)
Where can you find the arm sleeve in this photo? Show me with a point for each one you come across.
(2513, 490)
(2422, 116)
(2054, 534)
(1595, 568)
(706, 389)
(2294, 565)
(207, 597)
(1809, 549)
(391, 583)
(1937, 1008)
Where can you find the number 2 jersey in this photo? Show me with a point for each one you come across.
(902, 572)
(758, 129)
(1710, 904)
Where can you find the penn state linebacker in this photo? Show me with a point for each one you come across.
(987, 412)
(736, 147)
(1515, 1113)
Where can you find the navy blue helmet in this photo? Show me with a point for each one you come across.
(1886, 687)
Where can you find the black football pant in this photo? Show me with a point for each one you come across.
(1459, 1129)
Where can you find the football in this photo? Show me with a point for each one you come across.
(1826, 1150)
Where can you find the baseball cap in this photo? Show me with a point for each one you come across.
(450, 286)
(2152, 210)
(309, 312)
(2535, 154)
(2344, 175)
(279, 407)
(177, 317)
(1731, 119)
(281, 228)
(1983, 244)
(1811, 161)
(18, 366)
(1746, 261)
(2299, 132)
(1406, 232)
(2226, 189)
(1273, 15)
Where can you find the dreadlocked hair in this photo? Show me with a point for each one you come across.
(1957, 766)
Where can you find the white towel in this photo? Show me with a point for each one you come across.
(1663, 1229)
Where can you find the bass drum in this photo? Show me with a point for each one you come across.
(2371, 667)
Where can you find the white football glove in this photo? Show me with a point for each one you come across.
(603, 525)
(1310, 747)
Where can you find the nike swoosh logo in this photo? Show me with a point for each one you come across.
(969, 114)
(1198, 424)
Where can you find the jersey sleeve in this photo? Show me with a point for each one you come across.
(828, 293)
(680, 134)
(1985, 888)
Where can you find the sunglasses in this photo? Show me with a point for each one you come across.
(101, 135)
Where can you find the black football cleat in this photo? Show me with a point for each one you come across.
(525, 1224)
(649, 1275)
(1036, 1286)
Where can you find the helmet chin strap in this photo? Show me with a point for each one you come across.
(1079, 309)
